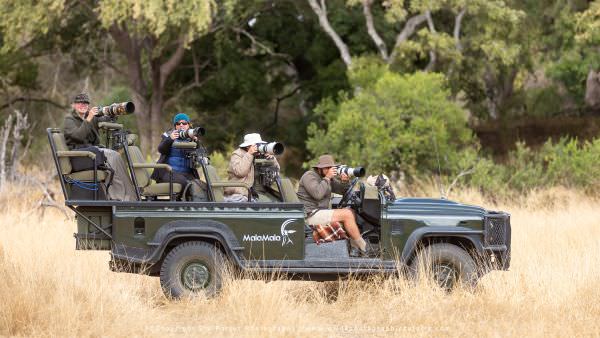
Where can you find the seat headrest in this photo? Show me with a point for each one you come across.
(131, 139)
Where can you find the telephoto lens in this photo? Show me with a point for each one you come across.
(117, 109)
(273, 148)
(351, 172)
(190, 133)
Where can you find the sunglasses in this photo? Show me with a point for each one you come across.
(181, 124)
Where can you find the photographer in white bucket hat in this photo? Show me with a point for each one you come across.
(241, 167)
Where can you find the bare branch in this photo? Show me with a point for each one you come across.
(461, 174)
(4, 133)
(407, 31)
(32, 99)
(372, 31)
(169, 66)
(278, 102)
(457, 26)
(266, 48)
(195, 84)
(432, 54)
(28, 144)
(321, 12)
(48, 199)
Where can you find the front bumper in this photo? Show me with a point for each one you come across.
(497, 239)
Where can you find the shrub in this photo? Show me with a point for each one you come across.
(394, 122)
(567, 162)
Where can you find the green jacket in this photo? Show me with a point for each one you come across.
(315, 192)
(79, 132)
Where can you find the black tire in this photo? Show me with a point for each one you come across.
(192, 268)
(448, 264)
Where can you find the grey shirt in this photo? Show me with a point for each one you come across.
(315, 191)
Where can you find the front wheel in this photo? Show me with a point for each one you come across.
(192, 268)
(448, 265)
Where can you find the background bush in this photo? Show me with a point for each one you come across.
(394, 122)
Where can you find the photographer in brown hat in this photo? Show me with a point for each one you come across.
(315, 190)
(80, 128)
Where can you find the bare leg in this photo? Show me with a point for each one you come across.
(346, 216)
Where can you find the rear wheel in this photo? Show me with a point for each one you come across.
(448, 265)
(192, 268)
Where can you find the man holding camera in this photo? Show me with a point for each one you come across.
(314, 190)
(81, 131)
(183, 172)
(241, 167)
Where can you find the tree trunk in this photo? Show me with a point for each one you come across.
(142, 116)
(592, 90)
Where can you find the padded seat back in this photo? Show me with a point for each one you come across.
(141, 174)
(61, 145)
(288, 193)
(213, 176)
(131, 139)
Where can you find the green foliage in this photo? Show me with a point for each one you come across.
(397, 122)
(22, 20)
(571, 70)
(588, 25)
(544, 101)
(191, 17)
(567, 162)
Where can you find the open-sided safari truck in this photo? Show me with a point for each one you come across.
(188, 243)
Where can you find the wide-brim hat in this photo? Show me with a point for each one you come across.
(250, 139)
(325, 161)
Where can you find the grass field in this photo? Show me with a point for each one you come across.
(552, 288)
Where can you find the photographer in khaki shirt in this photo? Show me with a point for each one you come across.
(315, 190)
(241, 167)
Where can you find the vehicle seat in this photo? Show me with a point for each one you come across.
(148, 189)
(216, 185)
(288, 193)
(64, 155)
(371, 204)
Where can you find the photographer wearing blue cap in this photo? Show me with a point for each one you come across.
(183, 172)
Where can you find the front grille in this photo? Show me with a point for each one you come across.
(496, 229)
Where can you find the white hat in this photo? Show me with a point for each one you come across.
(250, 139)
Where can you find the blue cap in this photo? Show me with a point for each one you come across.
(179, 117)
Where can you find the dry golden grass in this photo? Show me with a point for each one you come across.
(553, 287)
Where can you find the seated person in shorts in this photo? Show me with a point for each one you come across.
(314, 191)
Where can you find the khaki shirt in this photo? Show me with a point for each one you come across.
(241, 169)
(314, 191)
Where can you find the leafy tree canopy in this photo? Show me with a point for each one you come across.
(394, 122)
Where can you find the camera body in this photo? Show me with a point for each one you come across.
(116, 109)
(271, 148)
(266, 173)
(351, 172)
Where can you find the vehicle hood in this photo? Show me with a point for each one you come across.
(434, 212)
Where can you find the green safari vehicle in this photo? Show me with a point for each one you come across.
(189, 243)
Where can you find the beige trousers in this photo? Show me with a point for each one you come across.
(121, 187)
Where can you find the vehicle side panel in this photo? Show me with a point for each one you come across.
(268, 232)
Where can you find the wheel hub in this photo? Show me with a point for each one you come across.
(445, 275)
(195, 276)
